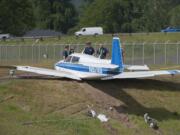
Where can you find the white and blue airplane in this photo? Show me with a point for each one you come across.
(80, 66)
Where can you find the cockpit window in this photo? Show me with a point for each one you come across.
(68, 59)
(75, 59)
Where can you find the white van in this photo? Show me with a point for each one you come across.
(90, 31)
(4, 36)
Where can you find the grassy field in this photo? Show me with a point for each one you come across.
(106, 38)
(59, 107)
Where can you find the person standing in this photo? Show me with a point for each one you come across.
(88, 49)
(102, 52)
(66, 52)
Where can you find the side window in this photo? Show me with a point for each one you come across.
(68, 59)
(84, 30)
(75, 59)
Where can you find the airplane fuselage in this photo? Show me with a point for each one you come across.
(86, 66)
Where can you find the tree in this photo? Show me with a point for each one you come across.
(111, 15)
(155, 15)
(129, 15)
(174, 16)
(64, 16)
(42, 11)
(58, 15)
(16, 17)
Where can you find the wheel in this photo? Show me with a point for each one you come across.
(95, 34)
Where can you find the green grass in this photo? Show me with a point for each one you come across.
(29, 105)
(106, 38)
(59, 107)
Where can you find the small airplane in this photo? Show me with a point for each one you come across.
(80, 66)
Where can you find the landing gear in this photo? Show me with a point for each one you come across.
(12, 72)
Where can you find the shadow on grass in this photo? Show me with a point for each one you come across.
(116, 88)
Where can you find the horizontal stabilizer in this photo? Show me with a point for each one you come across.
(136, 67)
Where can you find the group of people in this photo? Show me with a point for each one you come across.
(67, 51)
(89, 50)
(101, 52)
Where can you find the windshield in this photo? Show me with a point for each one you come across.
(75, 59)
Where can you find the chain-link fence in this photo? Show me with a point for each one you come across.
(135, 53)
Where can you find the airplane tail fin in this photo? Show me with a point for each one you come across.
(117, 58)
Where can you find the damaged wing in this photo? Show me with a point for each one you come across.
(49, 72)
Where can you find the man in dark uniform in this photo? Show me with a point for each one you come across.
(88, 49)
(66, 52)
(102, 52)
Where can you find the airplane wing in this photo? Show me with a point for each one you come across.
(142, 74)
(136, 67)
(49, 72)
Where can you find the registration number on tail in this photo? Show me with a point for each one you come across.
(95, 70)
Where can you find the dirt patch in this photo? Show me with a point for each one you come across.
(106, 103)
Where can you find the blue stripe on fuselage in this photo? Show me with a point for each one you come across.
(83, 68)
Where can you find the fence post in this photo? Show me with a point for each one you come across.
(1, 46)
(19, 53)
(39, 53)
(165, 53)
(54, 51)
(132, 60)
(47, 56)
(6, 54)
(0, 54)
(143, 52)
(154, 48)
(95, 46)
(177, 47)
(77, 47)
(32, 53)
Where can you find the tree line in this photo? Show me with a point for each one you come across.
(19, 16)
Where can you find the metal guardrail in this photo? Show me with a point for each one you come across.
(135, 53)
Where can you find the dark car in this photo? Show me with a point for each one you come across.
(171, 29)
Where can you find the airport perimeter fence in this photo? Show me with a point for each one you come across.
(135, 53)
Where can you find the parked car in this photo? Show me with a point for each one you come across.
(4, 36)
(171, 29)
(90, 31)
